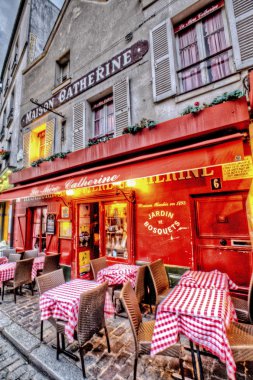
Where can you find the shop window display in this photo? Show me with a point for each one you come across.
(116, 229)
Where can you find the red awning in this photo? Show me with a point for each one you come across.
(205, 154)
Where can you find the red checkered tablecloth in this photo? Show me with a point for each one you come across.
(3, 260)
(62, 303)
(7, 271)
(118, 274)
(203, 315)
(38, 264)
(207, 280)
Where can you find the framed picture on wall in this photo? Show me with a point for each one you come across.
(50, 224)
(65, 212)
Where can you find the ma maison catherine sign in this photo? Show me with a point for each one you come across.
(118, 63)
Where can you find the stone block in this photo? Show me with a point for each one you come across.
(23, 340)
(44, 357)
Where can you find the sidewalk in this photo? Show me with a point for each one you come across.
(20, 324)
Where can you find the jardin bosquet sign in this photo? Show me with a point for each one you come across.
(116, 64)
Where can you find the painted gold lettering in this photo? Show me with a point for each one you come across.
(205, 172)
(195, 173)
(159, 179)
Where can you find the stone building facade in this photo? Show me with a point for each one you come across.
(109, 71)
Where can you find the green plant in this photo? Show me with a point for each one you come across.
(97, 140)
(144, 123)
(49, 158)
(197, 107)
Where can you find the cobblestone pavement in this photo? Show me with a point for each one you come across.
(14, 366)
(117, 365)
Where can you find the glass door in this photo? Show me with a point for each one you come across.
(116, 230)
(39, 218)
(88, 235)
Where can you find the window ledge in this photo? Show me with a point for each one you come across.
(212, 86)
(60, 86)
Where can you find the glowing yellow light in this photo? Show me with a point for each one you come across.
(70, 192)
(130, 183)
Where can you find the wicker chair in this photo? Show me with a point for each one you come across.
(30, 253)
(6, 252)
(139, 288)
(47, 282)
(243, 308)
(97, 265)
(23, 275)
(14, 257)
(90, 320)
(240, 336)
(143, 331)
(51, 263)
(159, 281)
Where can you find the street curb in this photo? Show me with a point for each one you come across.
(38, 354)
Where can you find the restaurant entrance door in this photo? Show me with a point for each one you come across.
(222, 237)
(88, 235)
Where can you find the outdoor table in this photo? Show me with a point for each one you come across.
(38, 264)
(207, 280)
(62, 302)
(7, 271)
(203, 315)
(118, 274)
(3, 260)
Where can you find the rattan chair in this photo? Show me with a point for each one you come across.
(22, 276)
(46, 282)
(30, 253)
(6, 252)
(51, 263)
(139, 289)
(14, 257)
(240, 336)
(97, 265)
(244, 308)
(159, 281)
(90, 320)
(143, 331)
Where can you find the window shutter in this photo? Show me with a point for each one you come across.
(78, 126)
(240, 15)
(162, 58)
(121, 101)
(26, 148)
(49, 143)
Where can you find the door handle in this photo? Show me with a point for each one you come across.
(223, 242)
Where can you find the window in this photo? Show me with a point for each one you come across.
(103, 116)
(62, 69)
(39, 228)
(42, 143)
(203, 49)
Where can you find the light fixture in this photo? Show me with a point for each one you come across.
(70, 192)
(129, 197)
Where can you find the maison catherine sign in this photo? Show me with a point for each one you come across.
(118, 63)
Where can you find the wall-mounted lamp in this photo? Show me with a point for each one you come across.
(129, 197)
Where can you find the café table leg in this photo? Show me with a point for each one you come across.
(67, 353)
(193, 361)
(200, 363)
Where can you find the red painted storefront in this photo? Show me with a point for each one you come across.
(190, 197)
